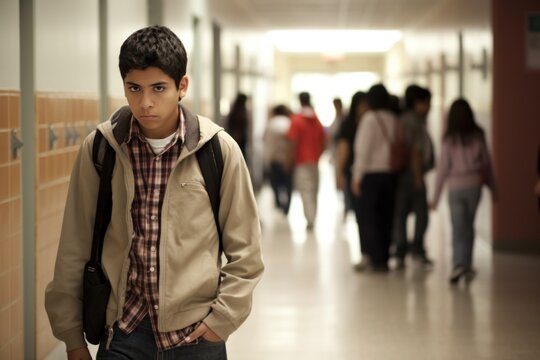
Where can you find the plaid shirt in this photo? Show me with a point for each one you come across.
(151, 172)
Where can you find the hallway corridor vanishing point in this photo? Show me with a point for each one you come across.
(312, 305)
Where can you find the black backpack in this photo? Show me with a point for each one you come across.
(96, 286)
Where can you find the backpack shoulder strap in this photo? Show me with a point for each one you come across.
(99, 148)
(104, 158)
(210, 161)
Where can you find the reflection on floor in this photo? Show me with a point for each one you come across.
(312, 305)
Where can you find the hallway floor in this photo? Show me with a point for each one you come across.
(311, 304)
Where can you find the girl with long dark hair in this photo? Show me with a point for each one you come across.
(465, 166)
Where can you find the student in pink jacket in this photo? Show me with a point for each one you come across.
(465, 166)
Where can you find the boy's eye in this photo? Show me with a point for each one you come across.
(133, 88)
(159, 88)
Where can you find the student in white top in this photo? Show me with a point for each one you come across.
(373, 181)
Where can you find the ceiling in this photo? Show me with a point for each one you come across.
(347, 14)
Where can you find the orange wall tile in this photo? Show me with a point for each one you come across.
(10, 231)
(4, 147)
(4, 182)
(14, 180)
(14, 111)
(5, 326)
(4, 111)
(58, 111)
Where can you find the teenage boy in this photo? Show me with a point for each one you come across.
(170, 295)
(411, 189)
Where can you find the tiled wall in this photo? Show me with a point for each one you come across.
(62, 121)
(10, 231)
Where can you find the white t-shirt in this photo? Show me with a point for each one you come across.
(158, 145)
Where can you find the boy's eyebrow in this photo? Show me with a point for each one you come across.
(159, 83)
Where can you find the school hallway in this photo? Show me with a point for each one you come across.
(311, 304)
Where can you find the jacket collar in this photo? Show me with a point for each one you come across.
(120, 122)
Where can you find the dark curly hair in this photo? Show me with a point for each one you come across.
(154, 46)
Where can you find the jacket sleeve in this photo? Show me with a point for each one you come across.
(63, 295)
(240, 224)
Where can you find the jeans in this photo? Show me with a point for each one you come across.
(281, 182)
(140, 344)
(463, 205)
(409, 199)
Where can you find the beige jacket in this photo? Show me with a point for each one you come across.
(193, 283)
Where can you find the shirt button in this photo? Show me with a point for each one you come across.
(158, 158)
(152, 248)
(152, 269)
(156, 307)
(153, 217)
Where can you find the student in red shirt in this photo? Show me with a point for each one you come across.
(308, 141)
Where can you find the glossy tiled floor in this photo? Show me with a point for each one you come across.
(312, 305)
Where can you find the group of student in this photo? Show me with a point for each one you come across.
(383, 197)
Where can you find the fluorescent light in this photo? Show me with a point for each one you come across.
(334, 41)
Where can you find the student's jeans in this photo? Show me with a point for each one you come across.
(281, 183)
(376, 215)
(463, 204)
(306, 181)
(140, 345)
(409, 199)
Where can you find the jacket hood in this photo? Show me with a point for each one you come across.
(199, 129)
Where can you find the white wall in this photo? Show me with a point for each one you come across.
(179, 16)
(9, 45)
(67, 46)
(124, 18)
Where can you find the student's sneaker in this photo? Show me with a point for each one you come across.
(469, 275)
(380, 268)
(363, 265)
(424, 261)
(456, 273)
(400, 264)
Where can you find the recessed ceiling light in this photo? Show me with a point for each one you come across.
(334, 41)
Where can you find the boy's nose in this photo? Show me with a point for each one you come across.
(146, 101)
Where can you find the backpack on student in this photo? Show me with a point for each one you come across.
(400, 151)
(96, 286)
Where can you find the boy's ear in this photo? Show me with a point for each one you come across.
(183, 86)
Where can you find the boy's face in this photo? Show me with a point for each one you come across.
(153, 98)
(422, 107)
